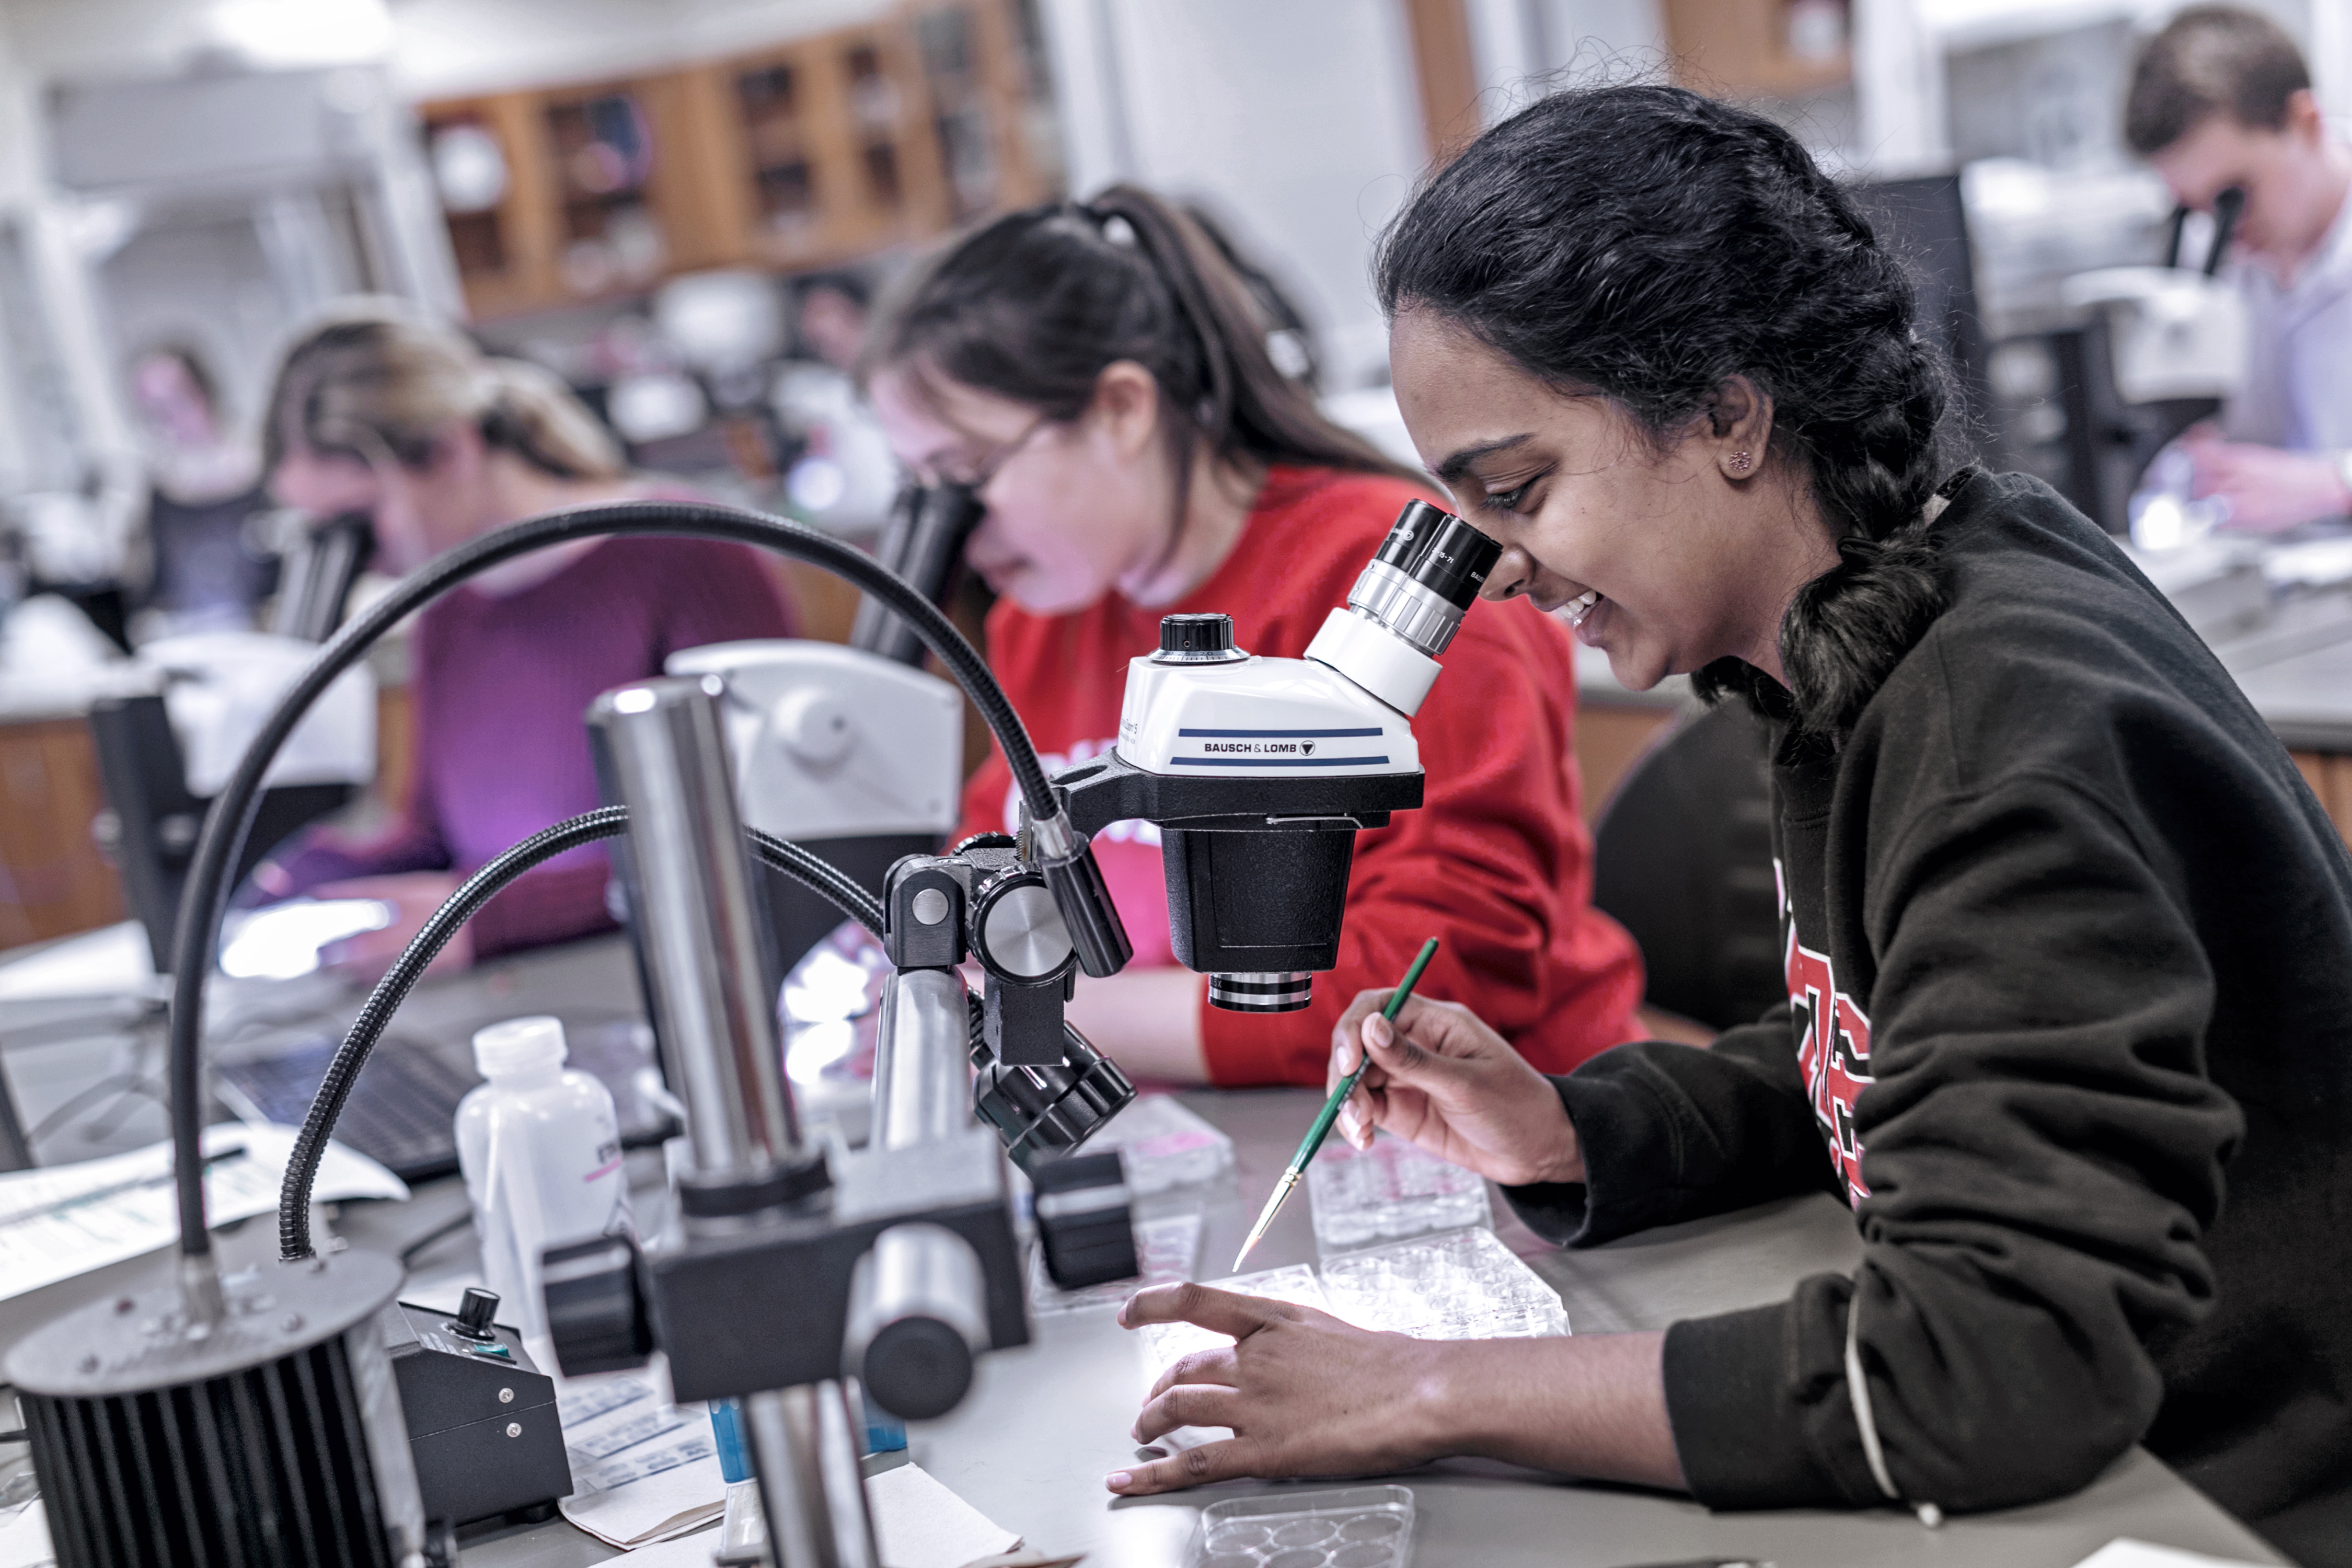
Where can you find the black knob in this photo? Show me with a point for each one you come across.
(918, 1368)
(475, 1312)
(1083, 1219)
(1196, 636)
(595, 1313)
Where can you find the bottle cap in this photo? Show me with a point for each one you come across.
(520, 1045)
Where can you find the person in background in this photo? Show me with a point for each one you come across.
(843, 477)
(2067, 939)
(2221, 98)
(831, 311)
(205, 568)
(1095, 373)
(381, 411)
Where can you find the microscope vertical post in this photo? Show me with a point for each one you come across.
(713, 1001)
(707, 960)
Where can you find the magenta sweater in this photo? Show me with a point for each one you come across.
(499, 688)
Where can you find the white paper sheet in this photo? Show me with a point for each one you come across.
(690, 1550)
(642, 1469)
(920, 1523)
(2125, 1553)
(110, 962)
(653, 1508)
(66, 1220)
(25, 1538)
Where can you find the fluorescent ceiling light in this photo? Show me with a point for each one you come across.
(302, 32)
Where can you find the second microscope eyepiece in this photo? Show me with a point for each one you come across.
(1455, 564)
(1424, 575)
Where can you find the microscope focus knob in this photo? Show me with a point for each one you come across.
(1016, 928)
(814, 727)
(595, 1308)
(917, 1316)
(1197, 639)
(474, 1313)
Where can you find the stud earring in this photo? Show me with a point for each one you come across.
(1741, 462)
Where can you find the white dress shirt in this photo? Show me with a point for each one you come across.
(2298, 388)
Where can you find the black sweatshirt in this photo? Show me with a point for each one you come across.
(2069, 949)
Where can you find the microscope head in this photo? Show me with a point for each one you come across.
(1260, 770)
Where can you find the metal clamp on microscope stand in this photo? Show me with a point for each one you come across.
(787, 1271)
(1043, 1086)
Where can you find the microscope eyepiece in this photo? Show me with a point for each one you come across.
(1410, 535)
(1424, 575)
(1455, 564)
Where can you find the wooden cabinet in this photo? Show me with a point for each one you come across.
(53, 881)
(829, 147)
(504, 239)
(1609, 739)
(1778, 48)
(797, 157)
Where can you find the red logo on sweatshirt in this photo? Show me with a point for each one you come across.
(1833, 1049)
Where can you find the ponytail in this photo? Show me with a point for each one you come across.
(1032, 307)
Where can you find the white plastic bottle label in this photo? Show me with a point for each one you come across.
(542, 1167)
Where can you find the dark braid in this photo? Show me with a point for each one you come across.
(1647, 243)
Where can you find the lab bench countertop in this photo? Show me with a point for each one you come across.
(1044, 1423)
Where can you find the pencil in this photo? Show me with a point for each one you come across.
(1331, 1112)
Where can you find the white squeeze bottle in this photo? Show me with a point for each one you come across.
(541, 1149)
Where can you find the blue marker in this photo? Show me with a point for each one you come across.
(727, 1427)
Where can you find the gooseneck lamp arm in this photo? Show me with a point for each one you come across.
(343, 1072)
(204, 904)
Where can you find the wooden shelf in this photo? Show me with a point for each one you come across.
(1745, 45)
(802, 157)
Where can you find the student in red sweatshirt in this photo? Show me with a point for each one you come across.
(1095, 373)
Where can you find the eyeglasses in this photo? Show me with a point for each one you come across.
(976, 476)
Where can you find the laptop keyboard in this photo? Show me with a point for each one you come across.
(401, 1112)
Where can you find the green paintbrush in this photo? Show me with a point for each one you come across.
(1331, 1112)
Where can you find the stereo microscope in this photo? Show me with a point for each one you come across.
(789, 1267)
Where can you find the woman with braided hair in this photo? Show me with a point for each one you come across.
(1097, 375)
(2066, 935)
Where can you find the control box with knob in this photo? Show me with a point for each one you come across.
(482, 1423)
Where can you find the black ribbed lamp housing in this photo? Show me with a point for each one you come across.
(259, 1444)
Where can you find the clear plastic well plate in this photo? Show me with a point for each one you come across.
(1164, 1342)
(1357, 1526)
(1164, 1145)
(1388, 1193)
(1464, 1284)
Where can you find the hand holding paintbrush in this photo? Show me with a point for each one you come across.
(1331, 1112)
